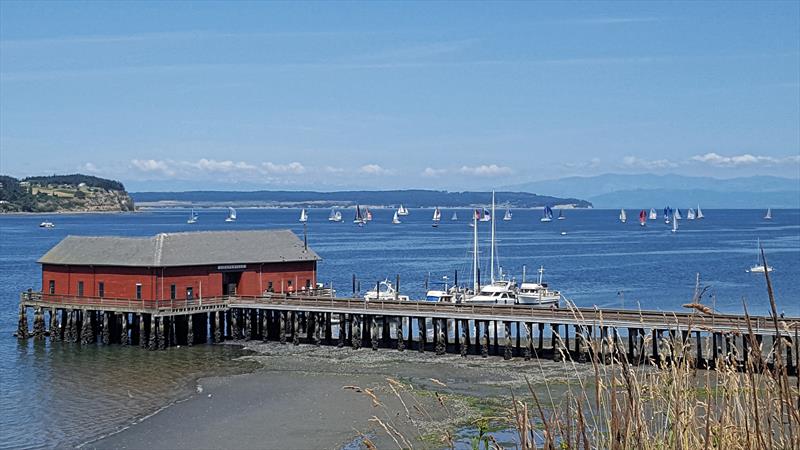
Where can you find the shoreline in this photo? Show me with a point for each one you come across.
(306, 397)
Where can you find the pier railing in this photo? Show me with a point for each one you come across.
(305, 302)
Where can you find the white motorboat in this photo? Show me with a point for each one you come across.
(303, 216)
(384, 291)
(402, 211)
(47, 224)
(537, 293)
(622, 216)
(192, 217)
(445, 294)
(231, 215)
(336, 216)
(500, 292)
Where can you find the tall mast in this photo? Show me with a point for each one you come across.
(491, 258)
(475, 252)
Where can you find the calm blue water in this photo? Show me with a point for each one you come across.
(54, 395)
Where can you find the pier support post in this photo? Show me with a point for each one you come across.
(485, 340)
(441, 346)
(217, 326)
(235, 333)
(190, 330)
(342, 330)
(606, 347)
(265, 325)
(373, 333)
(508, 345)
(295, 328)
(162, 337)
(528, 343)
(55, 327)
(422, 331)
(142, 333)
(106, 335)
(496, 338)
(386, 332)
(248, 330)
(72, 326)
(282, 327)
(318, 325)
(401, 343)
(22, 323)
(464, 344)
(558, 355)
(581, 346)
(328, 328)
(123, 329)
(38, 323)
(541, 338)
(355, 336)
(86, 327)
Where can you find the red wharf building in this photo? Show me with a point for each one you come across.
(180, 266)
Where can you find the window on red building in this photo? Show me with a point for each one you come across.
(80, 288)
(101, 289)
(52, 287)
(173, 292)
(138, 291)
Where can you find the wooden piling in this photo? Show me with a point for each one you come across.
(22, 323)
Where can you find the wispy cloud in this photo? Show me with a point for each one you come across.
(430, 172)
(373, 169)
(641, 163)
(486, 170)
(746, 159)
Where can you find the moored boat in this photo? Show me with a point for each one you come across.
(47, 224)
(384, 291)
(537, 293)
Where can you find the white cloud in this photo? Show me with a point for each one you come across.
(431, 172)
(153, 166)
(89, 167)
(633, 161)
(591, 164)
(331, 169)
(746, 159)
(214, 166)
(291, 168)
(373, 169)
(490, 170)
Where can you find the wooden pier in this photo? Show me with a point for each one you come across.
(582, 334)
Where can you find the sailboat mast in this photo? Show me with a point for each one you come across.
(491, 252)
(475, 253)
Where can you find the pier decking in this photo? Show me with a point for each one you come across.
(510, 331)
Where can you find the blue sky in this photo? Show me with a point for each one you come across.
(393, 95)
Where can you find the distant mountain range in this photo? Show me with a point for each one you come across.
(417, 198)
(650, 190)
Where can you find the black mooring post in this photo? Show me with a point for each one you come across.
(455, 279)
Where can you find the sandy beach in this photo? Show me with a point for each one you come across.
(306, 397)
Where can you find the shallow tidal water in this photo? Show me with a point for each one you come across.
(63, 395)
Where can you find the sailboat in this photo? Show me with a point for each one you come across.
(367, 215)
(455, 216)
(231, 215)
(769, 214)
(699, 212)
(192, 217)
(303, 216)
(402, 211)
(643, 218)
(622, 216)
(677, 215)
(437, 216)
(675, 222)
(507, 215)
(653, 214)
(561, 214)
(485, 216)
(359, 219)
(667, 214)
(336, 216)
(690, 214)
(759, 267)
(547, 214)
(395, 219)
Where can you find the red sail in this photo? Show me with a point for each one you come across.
(642, 216)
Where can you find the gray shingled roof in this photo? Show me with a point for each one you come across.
(181, 249)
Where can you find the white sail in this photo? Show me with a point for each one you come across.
(768, 216)
(455, 216)
(677, 215)
(507, 215)
(622, 216)
(437, 214)
(653, 214)
(699, 212)
(759, 266)
(395, 219)
(690, 214)
(402, 211)
(231, 215)
(303, 216)
(675, 222)
(192, 217)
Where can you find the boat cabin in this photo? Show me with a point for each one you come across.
(179, 266)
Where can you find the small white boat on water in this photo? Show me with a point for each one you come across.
(675, 222)
(547, 214)
(384, 291)
(501, 292)
(690, 214)
(192, 217)
(537, 293)
(402, 211)
(303, 216)
(445, 294)
(507, 215)
(768, 216)
(485, 216)
(395, 219)
(758, 267)
(47, 224)
(437, 217)
(231, 215)
(667, 214)
(653, 214)
(699, 212)
(677, 215)
(336, 216)
(622, 216)
(359, 218)
(561, 214)
(455, 216)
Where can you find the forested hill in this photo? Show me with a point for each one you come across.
(63, 193)
(409, 198)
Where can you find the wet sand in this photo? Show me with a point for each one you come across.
(298, 400)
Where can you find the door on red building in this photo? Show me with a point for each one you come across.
(230, 282)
